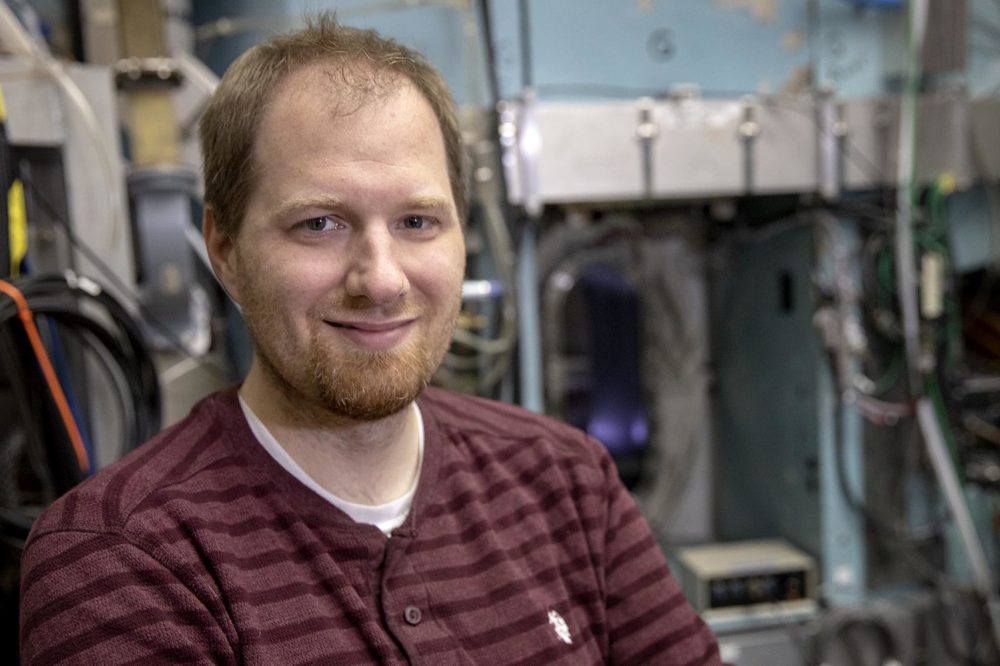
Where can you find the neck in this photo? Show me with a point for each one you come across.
(365, 462)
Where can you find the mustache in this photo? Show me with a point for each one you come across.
(352, 307)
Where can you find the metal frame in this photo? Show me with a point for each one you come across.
(693, 148)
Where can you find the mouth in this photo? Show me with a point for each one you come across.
(371, 326)
(374, 335)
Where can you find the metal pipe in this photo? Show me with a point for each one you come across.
(937, 451)
(528, 319)
(905, 182)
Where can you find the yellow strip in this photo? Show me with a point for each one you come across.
(18, 220)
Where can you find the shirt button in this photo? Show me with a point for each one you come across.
(412, 615)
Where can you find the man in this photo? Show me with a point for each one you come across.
(333, 510)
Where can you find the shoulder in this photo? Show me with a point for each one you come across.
(181, 457)
(461, 412)
(488, 428)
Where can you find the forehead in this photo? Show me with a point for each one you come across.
(341, 88)
(326, 127)
(342, 98)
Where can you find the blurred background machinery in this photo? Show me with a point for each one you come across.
(751, 246)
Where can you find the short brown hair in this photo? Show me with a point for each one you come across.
(229, 125)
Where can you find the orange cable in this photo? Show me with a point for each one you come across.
(50, 374)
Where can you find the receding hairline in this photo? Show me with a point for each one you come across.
(359, 64)
(366, 84)
(352, 83)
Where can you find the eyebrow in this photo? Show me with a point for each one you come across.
(297, 203)
(333, 202)
(429, 202)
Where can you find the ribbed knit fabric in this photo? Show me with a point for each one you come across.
(521, 547)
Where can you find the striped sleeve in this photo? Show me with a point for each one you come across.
(91, 598)
(649, 620)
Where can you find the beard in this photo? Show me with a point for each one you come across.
(358, 385)
(326, 379)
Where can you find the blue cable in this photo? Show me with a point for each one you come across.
(58, 356)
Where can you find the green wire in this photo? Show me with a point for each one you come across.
(933, 391)
(886, 279)
(890, 377)
(937, 222)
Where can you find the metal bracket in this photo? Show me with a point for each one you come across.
(529, 146)
(132, 73)
(832, 135)
(748, 131)
(647, 131)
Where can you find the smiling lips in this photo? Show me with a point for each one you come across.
(374, 335)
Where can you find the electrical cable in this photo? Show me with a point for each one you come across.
(132, 430)
(91, 319)
(123, 340)
(45, 364)
(875, 410)
(674, 374)
(878, 524)
(501, 347)
(37, 455)
(489, 51)
(108, 274)
(59, 361)
(956, 613)
(126, 394)
(842, 628)
(933, 238)
(907, 538)
(493, 354)
(930, 425)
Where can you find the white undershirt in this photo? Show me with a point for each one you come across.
(386, 517)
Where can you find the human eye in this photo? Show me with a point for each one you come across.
(416, 223)
(321, 223)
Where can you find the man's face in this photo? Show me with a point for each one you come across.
(350, 260)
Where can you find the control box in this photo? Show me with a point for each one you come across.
(740, 579)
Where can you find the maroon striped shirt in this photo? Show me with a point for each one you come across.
(521, 547)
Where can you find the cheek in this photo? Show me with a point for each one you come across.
(440, 275)
(299, 273)
(282, 290)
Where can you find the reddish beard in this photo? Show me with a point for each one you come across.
(366, 385)
(349, 383)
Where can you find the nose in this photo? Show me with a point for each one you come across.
(374, 270)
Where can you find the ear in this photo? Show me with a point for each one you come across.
(221, 252)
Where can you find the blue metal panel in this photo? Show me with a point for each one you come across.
(777, 416)
(439, 32)
(983, 505)
(444, 33)
(767, 362)
(577, 46)
(859, 52)
(581, 47)
(219, 51)
(972, 229)
(983, 70)
(626, 48)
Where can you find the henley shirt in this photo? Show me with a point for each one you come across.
(521, 547)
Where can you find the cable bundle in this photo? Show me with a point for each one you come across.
(77, 316)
